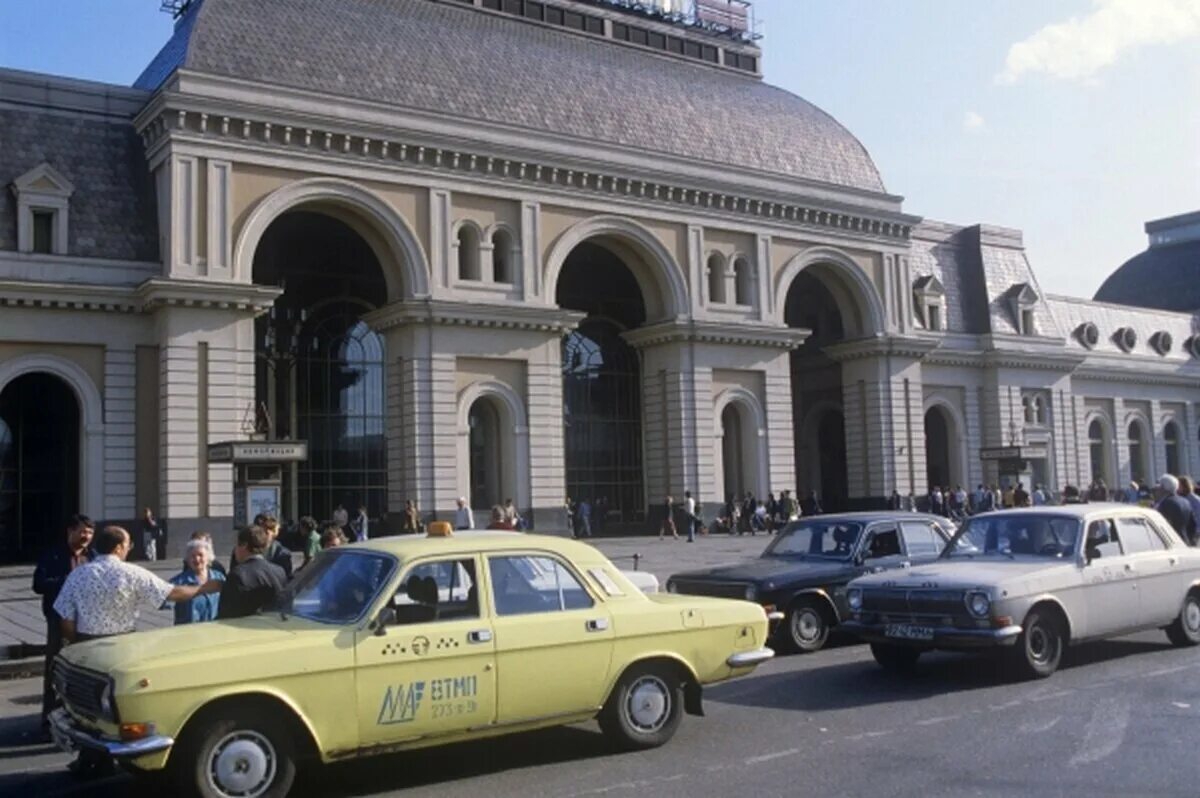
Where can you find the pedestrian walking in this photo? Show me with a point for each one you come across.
(693, 521)
(668, 523)
(256, 583)
(310, 537)
(197, 571)
(463, 517)
(811, 505)
(1176, 509)
(151, 534)
(53, 567)
(500, 521)
(1021, 497)
(895, 501)
(361, 524)
(411, 523)
(583, 522)
(1187, 489)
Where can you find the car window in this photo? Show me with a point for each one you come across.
(920, 539)
(523, 584)
(1011, 534)
(1136, 535)
(1103, 540)
(885, 542)
(338, 587)
(443, 590)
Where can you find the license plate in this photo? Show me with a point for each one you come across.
(906, 631)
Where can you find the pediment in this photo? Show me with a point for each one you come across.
(1023, 294)
(44, 180)
(929, 285)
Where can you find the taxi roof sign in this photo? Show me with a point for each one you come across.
(439, 529)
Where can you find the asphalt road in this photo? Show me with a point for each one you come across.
(1122, 718)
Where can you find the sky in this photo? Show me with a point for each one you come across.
(1075, 121)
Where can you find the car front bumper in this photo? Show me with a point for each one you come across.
(748, 659)
(70, 737)
(946, 637)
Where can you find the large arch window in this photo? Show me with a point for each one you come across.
(743, 282)
(39, 463)
(320, 370)
(486, 451)
(1098, 451)
(602, 413)
(467, 243)
(716, 279)
(937, 448)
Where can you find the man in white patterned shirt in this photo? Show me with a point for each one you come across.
(101, 598)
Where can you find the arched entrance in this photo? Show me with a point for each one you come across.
(938, 452)
(817, 382)
(319, 368)
(39, 463)
(485, 454)
(602, 407)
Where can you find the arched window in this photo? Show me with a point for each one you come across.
(716, 279)
(743, 282)
(1098, 449)
(1139, 461)
(1171, 440)
(486, 450)
(468, 253)
(503, 257)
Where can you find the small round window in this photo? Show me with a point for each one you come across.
(1126, 338)
(1089, 334)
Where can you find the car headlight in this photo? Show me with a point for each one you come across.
(751, 592)
(854, 599)
(979, 604)
(672, 587)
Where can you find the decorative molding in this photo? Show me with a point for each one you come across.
(881, 346)
(167, 120)
(507, 316)
(161, 292)
(735, 334)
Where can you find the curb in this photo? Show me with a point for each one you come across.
(27, 668)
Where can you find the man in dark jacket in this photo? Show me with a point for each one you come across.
(1176, 509)
(255, 583)
(53, 567)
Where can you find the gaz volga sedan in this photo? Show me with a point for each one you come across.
(1028, 583)
(801, 577)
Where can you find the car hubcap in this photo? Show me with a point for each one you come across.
(649, 704)
(1191, 616)
(1041, 645)
(806, 626)
(242, 765)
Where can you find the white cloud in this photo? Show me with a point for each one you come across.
(1080, 47)
(972, 121)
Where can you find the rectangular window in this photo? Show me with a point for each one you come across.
(524, 585)
(656, 40)
(554, 15)
(1027, 326)
(709, 54)
(535, 10)
(43, 232)
(494, 5)
(573, 20)
(620, 31)
(691, 49)
(675, 45)
(935, 318)
(638, 35)
(920, 539)
(593, 25)
(512, 6)
(438, 591)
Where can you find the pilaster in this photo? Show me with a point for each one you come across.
(120, 418)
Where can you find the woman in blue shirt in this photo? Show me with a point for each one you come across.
(196, 571)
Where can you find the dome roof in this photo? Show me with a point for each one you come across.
(448, 59)
(1165, 277)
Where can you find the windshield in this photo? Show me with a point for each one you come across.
(337, 587)
(1010, 535)
(835, 539)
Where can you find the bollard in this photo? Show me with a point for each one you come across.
(637, 558)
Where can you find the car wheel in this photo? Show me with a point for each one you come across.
(237, 754)
(644, 709)
(895, 659)
(1185, 630)
(805, 628)
(1039, 649)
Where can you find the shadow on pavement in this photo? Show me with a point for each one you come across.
(861, 684)
(460, 761)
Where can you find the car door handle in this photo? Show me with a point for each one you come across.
(1173, 561)
(597, 625)
(479, 636)
(1129, 567)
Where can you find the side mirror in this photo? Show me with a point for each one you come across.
(385, 618)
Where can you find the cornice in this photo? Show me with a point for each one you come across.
(67, 296)
(1138, 376)
(174, 117)
(708, 332)
(474, 314)
(1044, 361)
(160, 292)
(881, 346)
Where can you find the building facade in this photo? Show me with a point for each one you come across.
(523, 250)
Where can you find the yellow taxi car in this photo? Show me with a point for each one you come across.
(404, 643)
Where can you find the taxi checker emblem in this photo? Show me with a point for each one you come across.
(420, 646)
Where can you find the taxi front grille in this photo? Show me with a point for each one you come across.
(734, 590)
(80, 689)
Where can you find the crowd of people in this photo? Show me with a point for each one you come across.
(750, 515)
